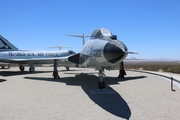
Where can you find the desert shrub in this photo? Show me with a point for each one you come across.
(174, 69)
(166, 67)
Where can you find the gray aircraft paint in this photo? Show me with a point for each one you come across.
(92, 52)
(37, 57)
(102, 50)
(10, 54)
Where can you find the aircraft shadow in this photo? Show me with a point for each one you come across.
(111, 102)
(89, 73)
(3, 68)
(2, 80)
(3, 72)
(14, 73)
(69, 70)
(111, 81)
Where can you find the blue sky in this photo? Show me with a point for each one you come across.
(149, 27)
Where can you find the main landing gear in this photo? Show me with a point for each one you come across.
(55, 71)
(67, 68)
(122, 72)
(31, 69)
(101, 83)
(21, 68)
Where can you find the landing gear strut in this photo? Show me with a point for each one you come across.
(101, 83)
(122, 72)
(55, 71)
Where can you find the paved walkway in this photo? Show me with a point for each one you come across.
(37, 96)
(164, 75)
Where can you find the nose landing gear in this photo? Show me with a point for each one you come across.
(101, 83)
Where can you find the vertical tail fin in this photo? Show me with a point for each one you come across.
(5, 45)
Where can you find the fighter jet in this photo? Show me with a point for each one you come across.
(102, 51)
(11, 54)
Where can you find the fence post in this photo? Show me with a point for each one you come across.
(172, 83)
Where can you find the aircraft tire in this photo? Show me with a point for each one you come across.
(55, 74)
(122, 74)
(31, 69)
(9, 66)
(101, 85)
(67, 68)
(21, 68)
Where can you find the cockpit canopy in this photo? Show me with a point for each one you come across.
(101, 32)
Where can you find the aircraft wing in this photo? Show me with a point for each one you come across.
(132, 58)
(131, 52)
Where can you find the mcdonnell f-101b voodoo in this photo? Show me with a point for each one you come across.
(102, 51)
(11, 54)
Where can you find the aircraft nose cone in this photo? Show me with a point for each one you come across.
(113, 51)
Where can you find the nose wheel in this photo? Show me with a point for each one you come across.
(101, 83)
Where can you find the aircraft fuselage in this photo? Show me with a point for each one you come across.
(37, 57)
(102, 52)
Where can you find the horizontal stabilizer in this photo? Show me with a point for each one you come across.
(80, 36)
(59, 47)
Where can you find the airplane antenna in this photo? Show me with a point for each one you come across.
(79, 36)
(59, 47)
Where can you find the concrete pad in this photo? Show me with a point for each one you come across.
(105, 91)
(34, 96)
